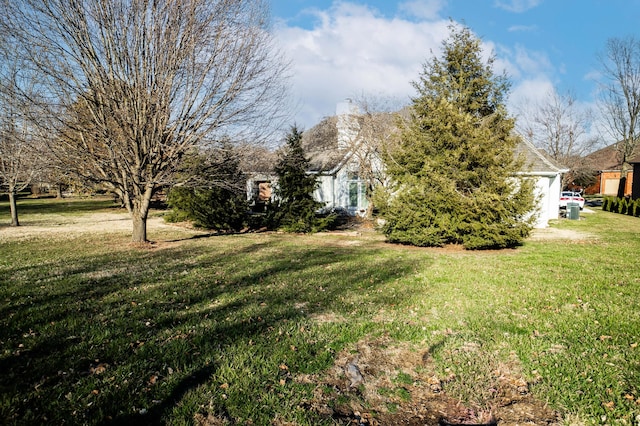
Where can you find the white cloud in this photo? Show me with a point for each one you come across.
(522, 28)
(517, 6)
(353, 50)
(530, 92)
(423, 9)
(532, 62)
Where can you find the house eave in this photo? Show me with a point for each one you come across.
(546, 173)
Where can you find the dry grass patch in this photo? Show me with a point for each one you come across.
(401, 384)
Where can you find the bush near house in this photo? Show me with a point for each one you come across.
(212, 196)
(294, 208)
(622, 206)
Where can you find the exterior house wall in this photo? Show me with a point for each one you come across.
(342, 189)
(547, 176)
(547, 192)
(607, 183)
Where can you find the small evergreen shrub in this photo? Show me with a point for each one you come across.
(213, 196)
(621, 206)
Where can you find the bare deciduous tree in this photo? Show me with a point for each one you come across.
(561, 128)
(620, 98)
(368, 131)
(133, 85)
(20, 156)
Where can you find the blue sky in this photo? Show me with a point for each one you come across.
(350, 48)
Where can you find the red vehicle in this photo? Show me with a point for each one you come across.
(571, 197)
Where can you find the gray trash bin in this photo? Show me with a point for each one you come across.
(573, 211)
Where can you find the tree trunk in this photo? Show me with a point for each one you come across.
(59, 191)
(369, 196)
(622, 185)
(139, 228)
(139, 214)
(14, 208)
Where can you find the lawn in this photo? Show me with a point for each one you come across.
(256, 328)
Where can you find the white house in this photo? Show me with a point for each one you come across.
(548, 178)
(337, 148)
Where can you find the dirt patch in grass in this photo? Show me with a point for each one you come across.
(65, 225)
(380, 382)
(560, 234)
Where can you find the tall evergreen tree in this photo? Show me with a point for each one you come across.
(295, 208)
(453, 167)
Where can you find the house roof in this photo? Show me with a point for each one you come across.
(608, 158)
(604, 159)
(320, 144)
(325, 155)
(536, 160)
(325, 149)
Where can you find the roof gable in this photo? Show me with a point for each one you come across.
(320, 144)
(536, 161)
(325, 153)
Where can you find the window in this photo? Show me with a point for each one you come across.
(357, 193)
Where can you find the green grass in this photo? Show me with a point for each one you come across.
(94, 330)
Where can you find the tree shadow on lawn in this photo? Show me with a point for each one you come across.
(102, 343)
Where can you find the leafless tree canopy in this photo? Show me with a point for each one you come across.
(134, 84)
(620, 95)
(20, 154)
(560, 127)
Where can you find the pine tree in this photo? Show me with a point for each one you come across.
(453, 167)
(295, 207)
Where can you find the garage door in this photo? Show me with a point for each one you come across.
(611, 186)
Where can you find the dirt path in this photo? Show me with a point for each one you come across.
(559, 234)
(58, 225)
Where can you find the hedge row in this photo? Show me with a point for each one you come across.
(622, 205)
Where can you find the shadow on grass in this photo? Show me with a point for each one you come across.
(124, 337)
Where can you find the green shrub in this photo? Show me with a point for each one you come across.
(215, 208)
(610, 204)
(213, 196)
(623, 205)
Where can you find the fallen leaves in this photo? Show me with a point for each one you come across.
(99, 369)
